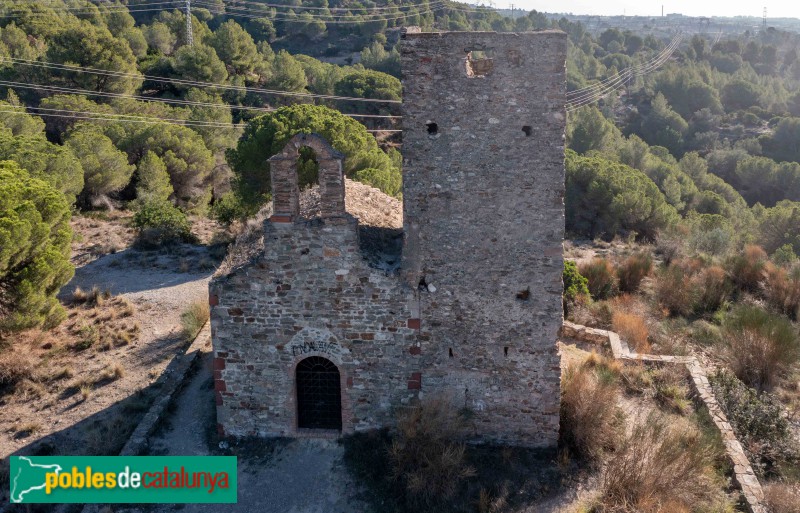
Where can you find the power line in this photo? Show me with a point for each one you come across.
(77, 91)
(197, 83)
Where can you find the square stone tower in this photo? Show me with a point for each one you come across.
(483, 196)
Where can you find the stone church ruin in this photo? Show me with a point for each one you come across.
(312, 338)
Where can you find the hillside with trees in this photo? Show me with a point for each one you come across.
(682, 160)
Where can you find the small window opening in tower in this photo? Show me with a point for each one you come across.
(479, 63)
(423, 285)
(450, 352)
(505, 351)
(528, 130)
(433, 128)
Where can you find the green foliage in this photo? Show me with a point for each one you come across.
(739, 94)
(187, 159)
(267, 135)
(601, 279)
(200, 63)
(784, 143)
(228, 209)
(589, 130)
(389, 180)
(778, 226)
(663, 126)
(35, 238)
(761, 345)
(375, 57)
(20, 123)
(759, 423)
(288, 74)
(55, 164)
(105, 168)
(235, 48)
(160, 223)
(574, 284)
(152, 180)
(369, 84)
(85, 44)
(605, 198)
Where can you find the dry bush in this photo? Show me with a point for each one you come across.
(16, 366)
(93, 297)
(747, 270)
(783, 497)
(194, 318)
(631, 327)
(675, 291)
(633, 270)
(590, 418)
(602, 278)
(660, 467)
(113, 372)
(761, 345)
(782, 290)
(712, 289)
(426, 458)
(671, 389)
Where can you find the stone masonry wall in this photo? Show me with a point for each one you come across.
(483, 189)
(310, 294)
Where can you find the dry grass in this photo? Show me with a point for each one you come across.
(661, 467)
(712, 289)
(783, 497)
(782, 290)
(93, 297)
(113, 372)
(632, 328)
(16, 365)
(27, 429)
(426, 458)
(747, 270)
(194, 318)
(674, 290)
(602, 278)
(633, 270)
(761, 346)
(590, 418)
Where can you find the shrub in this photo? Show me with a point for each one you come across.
(153, 182)
(659, 467)
(15, 366)
(761, 345)
(602, 281)
(758, 421)
(712, 287)
(632, 329)
(674, 290)
(194, 318)
(783, 497)
(426, 460)
(589, 413)
(228, 209)
(633, 270)
(747, 270)
(574, 284)
(161, 223)
(35, 238)
(782, 290)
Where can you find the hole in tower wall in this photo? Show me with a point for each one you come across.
(505, 351)
(479, 63)
(528, 130)
(450, 352)
(423, 285)
(433, 128)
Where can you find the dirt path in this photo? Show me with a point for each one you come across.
(300, 476)
(160, 294)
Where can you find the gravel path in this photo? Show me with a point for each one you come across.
(303, 476)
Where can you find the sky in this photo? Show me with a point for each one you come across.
(776, 8)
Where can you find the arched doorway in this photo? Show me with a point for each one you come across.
(319, 394)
